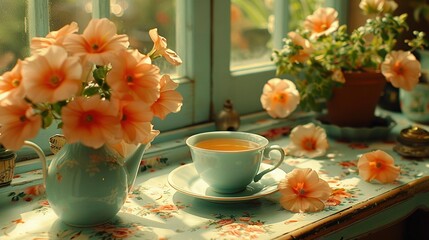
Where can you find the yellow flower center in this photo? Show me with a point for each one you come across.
(130, 78)
(398, 68)
(299, 189)
(95, 46)
(376, 164)
(54, 80)
(309, 144)
(280, 97)
(15, 82)
(89, 118)
(22, 118)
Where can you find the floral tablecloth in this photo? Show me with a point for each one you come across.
(154, 210)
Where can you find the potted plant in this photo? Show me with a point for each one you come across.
(326, 59)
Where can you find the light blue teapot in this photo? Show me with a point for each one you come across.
(87, 186)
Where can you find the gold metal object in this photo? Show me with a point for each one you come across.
(228, 119)
(7, 166)
(413, 142)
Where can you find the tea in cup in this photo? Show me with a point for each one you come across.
(229, 161)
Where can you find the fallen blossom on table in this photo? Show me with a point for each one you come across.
(303, 191)
(378, 165)
(308, 140)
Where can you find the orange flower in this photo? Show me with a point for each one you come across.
(303, 54)
(53, 38)
(323, 22)
(18, 123)
(99, 42)
(51, 75)
(92, 121)
(402, 69)
(134, 77)
(378, 165)
(35, 190)
(169, 99)
(303, 191)
(308, 140)
(280, 97)
(160, 48)
(10, 82)
(135, 123)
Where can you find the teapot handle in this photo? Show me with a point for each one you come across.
(41, 155)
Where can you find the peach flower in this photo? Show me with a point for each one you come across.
(308, 140)
(18, 122)
(10, 82)
(378, 165)
(377, 6)
(303, 191)
(303, 54)
(53, 38)
(323, 22)
(279, 97)
(99, 42)
(92, 121)
(135, 122)
(134, 77)
(402, 69)
(160, 48)
(169, 100)
(51, 76)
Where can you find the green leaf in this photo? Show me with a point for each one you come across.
(90, 91)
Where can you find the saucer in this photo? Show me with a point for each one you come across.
(186, 180)
(379, 130)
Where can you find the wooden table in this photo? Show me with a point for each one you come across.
(154, 210)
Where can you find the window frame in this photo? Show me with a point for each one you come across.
(193, 46)
(234, 84)
(204, 44)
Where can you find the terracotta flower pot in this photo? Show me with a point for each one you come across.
(354, 103)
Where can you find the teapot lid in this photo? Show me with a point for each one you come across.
(414, 136)
(6, 153)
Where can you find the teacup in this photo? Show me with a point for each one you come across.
(229, 161)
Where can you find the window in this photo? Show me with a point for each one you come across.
(215, 67)
(242, 80)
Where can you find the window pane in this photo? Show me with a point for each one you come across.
(299, 10)
(136, 17)
(250, 32)
(13, 39)
(64, 12)
(252, 24)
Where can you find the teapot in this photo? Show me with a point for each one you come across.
(87, 186)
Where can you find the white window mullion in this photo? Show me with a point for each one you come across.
(38, 18)
(101, 8)
(281, 20)
(341, 6)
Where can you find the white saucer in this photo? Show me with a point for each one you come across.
(186, 180)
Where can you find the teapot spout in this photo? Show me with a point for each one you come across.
(132, 163)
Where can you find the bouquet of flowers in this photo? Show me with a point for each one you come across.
(318, 54)
(92, 85)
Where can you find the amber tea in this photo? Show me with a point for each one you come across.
(227, 144)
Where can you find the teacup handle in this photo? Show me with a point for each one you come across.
(267, 154)
(41, 156)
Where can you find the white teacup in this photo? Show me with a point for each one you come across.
(229, 161)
